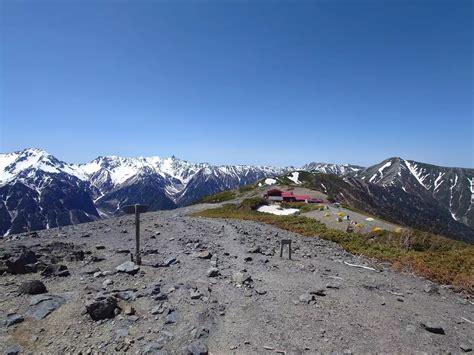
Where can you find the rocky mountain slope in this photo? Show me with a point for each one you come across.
(214, 286)
(451, 188)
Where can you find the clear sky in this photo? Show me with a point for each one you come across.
(253, 82)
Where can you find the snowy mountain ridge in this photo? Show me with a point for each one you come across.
(39, 191)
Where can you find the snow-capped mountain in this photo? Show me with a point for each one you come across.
(451, 188)
(39, 191)
(334, 169)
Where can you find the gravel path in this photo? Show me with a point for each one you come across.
(257, 303)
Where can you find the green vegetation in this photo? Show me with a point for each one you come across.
(437, 258)
(303, 206)
(247, 188)
(219, 197)
(227, 195)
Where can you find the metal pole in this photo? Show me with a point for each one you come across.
(137, 236)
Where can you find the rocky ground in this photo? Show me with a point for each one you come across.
(214, 286)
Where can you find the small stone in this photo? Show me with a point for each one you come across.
(197, 347)
(204, 255)
(318, 292)
(306, 298)
(128, 267)
(171, 318)
(212, 272)
(254, 250)
(158, 309)
(195, 294)
(126, 308)
(55, 270)
(170, 261)
(465, 347)
(34, 287)
(13, 350)
(107, 282)
(13, 319)
(431, 288)
(240, 278)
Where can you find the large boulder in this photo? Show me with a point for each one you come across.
(34, 287)
(21, 264)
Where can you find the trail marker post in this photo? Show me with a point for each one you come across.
(282, 243)
(137, 209)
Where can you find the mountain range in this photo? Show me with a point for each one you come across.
(38, 191)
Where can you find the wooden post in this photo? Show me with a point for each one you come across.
(137, 236)
(137, 209)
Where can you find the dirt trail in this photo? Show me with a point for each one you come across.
(313, 303)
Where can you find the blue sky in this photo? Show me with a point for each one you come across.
(254, 82)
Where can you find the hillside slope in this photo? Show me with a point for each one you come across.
(451, 188)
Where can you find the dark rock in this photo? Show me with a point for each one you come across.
(34, 287)
(128, 267)
(100, 247)
(318, 292)
(433, 327)
(55, 270)
(19, 264)
(197, 347)
(102, 309)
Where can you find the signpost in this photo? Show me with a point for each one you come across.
(137, 209)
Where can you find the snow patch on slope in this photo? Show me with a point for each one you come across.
(295, 177)
(418, 175)
(274, 209)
